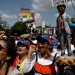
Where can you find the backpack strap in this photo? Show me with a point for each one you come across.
(54, 58)
(36, 57)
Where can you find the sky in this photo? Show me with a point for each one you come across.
(42, 9)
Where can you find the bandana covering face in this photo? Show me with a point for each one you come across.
(61, 12)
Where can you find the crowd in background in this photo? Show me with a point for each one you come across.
(34, 55)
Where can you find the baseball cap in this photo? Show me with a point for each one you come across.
(23, 43)
(32, 40)
(44, 38)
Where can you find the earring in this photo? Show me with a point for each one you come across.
(2, 61)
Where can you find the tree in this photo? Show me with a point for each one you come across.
(18, 27)
(3, 24)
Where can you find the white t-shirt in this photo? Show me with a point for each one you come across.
(28, 65)
(15, 71)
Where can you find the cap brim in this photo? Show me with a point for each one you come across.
(20, 43)
(39, 38)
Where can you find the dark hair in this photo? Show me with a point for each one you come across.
(10, 52)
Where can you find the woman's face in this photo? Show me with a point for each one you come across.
(3, 50)
(22, 49)
(43, 46)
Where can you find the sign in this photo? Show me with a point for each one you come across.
(29, 18)
(57, 2)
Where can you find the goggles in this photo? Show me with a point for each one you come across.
(61, 8)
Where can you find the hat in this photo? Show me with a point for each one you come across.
(44, 38)
(61, 5)
(23, 43)
(32, 40)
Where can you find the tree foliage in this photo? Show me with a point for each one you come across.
(18, 27)
(3, 24)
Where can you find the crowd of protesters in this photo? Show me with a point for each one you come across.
(35, 55)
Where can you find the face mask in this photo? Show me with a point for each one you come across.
(61, 12)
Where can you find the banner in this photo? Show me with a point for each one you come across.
(57, 2)
(29, 16)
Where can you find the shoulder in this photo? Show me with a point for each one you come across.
(58, 16)
(67, 16)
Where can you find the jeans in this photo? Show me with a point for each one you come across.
(65, 37)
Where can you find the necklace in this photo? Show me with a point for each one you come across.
(21, 60)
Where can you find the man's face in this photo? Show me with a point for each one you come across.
(61, 10)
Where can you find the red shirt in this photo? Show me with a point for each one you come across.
(62, 24)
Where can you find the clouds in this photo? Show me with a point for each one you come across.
(41, 5)
(5, 15)
(1, 12)
(38, 18)
(45, 5)
(8, 16)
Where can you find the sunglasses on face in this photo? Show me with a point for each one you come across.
(39, 47)
(2, 48)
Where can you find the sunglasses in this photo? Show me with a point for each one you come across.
(2, 48)
(40, 47)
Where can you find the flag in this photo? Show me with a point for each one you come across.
(33, 18)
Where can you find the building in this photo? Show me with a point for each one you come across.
(26, 16)
(22, 14)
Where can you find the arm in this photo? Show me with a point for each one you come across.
(28, 65)
(30, 61)
(69, 20)
(19, 74)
